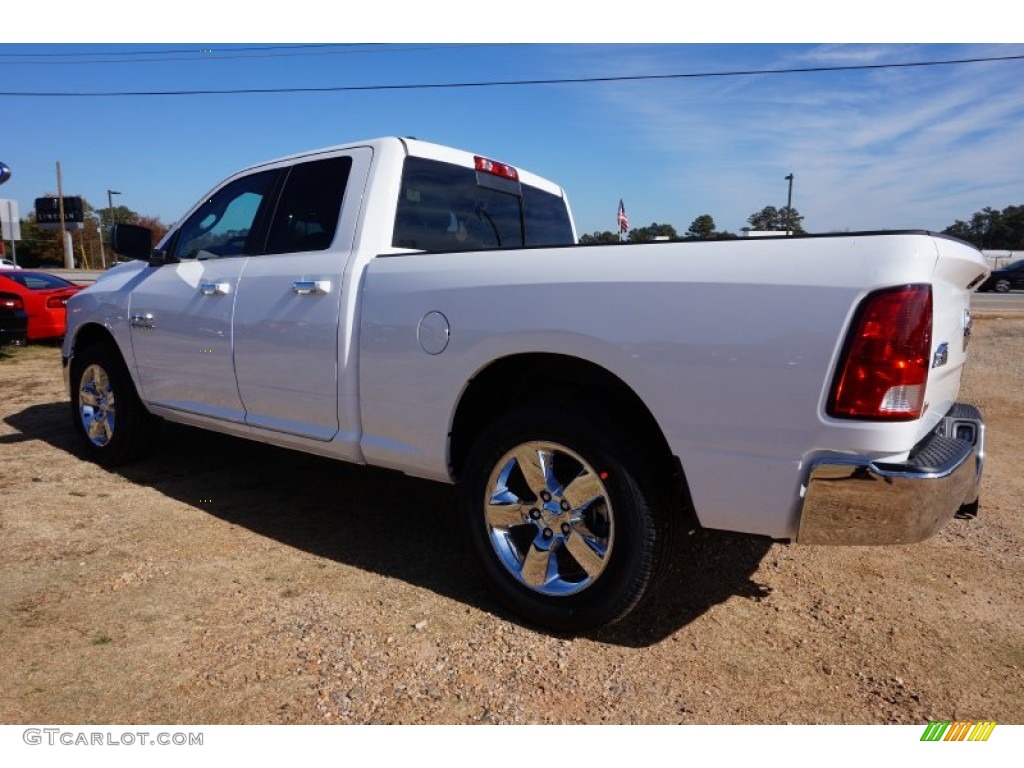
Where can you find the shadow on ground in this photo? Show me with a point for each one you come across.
(387, 523)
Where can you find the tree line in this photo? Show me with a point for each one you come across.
(42, 247)
(768, 219)
(988, 229)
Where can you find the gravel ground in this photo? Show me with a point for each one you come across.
(229, 582)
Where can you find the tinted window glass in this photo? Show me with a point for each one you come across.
(442, 207)
(547, 218)
(223, 225)
(307, 213)
(37, 281)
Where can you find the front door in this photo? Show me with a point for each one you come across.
(181, 312)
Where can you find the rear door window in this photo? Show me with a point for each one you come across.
(307, 214)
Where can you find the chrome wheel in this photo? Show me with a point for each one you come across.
(112, 424)
(1003, 286)
(96, 406)
(557, 504)
(549, 518)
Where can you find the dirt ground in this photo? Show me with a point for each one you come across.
(228, 582)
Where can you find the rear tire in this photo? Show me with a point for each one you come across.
(112, 424)
(563, 517)
(1002, 286)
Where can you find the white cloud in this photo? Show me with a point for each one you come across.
(879, 149)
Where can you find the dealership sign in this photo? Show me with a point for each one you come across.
(48, 213)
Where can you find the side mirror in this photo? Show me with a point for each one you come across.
(131, 241)
(159, 257)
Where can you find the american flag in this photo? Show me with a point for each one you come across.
(623, 219)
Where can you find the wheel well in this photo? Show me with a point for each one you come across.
(541, 377)
(87, 335)
(91, 334)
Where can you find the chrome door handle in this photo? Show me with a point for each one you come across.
(311, 287)
(142, 320)
(215, 289)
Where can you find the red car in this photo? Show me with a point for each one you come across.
(45, 298)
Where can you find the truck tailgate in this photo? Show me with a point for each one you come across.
(959, 268)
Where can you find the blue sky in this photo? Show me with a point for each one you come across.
(875, 149)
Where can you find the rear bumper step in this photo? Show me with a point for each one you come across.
(850, 500)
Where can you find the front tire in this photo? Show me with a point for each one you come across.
(562, 517)
(1002, 286)
(112, 424)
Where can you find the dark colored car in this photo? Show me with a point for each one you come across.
(45, 297)
(1008, 278)
(13, 319)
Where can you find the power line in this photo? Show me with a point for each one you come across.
(209, 54)
(500, 83)
(176, 50)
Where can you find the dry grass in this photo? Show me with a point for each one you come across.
(229, 582)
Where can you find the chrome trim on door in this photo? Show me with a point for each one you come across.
(215, 289)
(142, 320)
(311, 287)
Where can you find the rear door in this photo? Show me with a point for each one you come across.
(289, 338)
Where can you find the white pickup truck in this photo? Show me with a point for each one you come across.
(407, 305)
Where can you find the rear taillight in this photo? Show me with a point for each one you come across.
(57, 302)
(11, 302)
(884, 368)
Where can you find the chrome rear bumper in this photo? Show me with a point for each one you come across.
(848, 500)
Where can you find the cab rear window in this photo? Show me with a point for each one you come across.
(445, 207)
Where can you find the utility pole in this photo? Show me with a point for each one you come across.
(789, 206)
(103, 254)
(69, 253)
(10, 218)
(110, 214)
